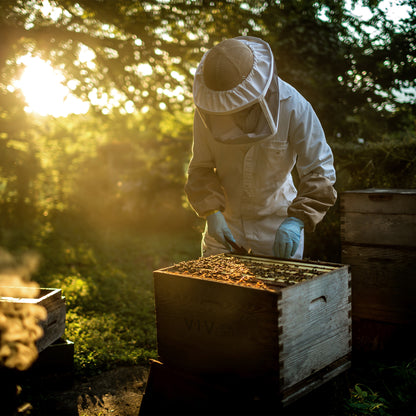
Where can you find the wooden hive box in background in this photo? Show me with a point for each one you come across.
(378, 234)
(296, 337)
(54, 325)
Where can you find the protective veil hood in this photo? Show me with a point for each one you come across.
(249, 111)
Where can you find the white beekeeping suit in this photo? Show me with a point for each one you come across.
(250, 130)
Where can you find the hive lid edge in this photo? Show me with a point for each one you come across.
(381, 191)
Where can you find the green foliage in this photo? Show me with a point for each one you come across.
(387, 163)
(364, 401)
(385, 387)
(103, 341)
(350, 69)
(399, 384)
(137, 175)
(114, 169)
(106, 278)
(19, 166)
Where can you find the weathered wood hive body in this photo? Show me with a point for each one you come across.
(287, 323)
(54, 303)
(378, 233)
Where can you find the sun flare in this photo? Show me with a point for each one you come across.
(44, 91)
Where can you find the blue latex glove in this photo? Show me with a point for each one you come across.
(287, 237)
(218, 228)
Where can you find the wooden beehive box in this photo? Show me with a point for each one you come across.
(296, 335)
(54, 325)
(378, 234)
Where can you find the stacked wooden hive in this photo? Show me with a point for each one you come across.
(255, 321)
(378, 232)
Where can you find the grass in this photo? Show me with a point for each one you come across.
(106, 278)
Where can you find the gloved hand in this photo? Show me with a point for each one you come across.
(218, 228)
(287, 237)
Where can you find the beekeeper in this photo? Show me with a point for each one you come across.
(250, 130)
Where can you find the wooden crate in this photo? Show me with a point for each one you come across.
(54, 325)
(378, 229)
(297, 336)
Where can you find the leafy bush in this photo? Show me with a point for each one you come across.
(364, 401)
(386, 163)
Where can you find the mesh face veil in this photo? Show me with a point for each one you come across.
(236, 91)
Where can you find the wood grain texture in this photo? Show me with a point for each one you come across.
(316, 380)
(379, 229)
(379, 201)
(379, 217)
(54, 325)
(383, 282)
(212, 327)
(52, 300)
(315, 325)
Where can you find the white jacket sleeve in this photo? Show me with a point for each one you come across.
(315, 166)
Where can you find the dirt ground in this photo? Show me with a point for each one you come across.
(117, 392)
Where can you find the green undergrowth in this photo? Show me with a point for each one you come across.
(383, 387)
(106, 277)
